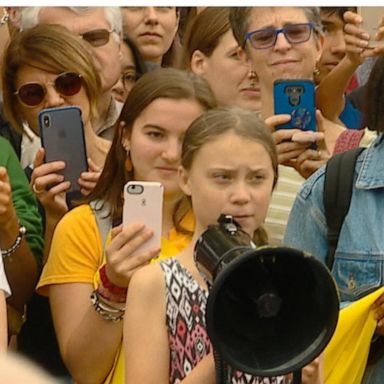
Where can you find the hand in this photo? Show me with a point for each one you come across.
(310, 161)
(7, 210)
(378, 308)
(88, 180)
(121, 264)
(313, 372)
(45, 175)
(287, 149)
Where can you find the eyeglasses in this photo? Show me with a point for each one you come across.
(129, 78)
(97, 37)
(66, 84)
(266, 38)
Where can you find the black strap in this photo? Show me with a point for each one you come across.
(338, 185)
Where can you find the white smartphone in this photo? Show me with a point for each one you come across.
(143, 203)
(371, 17)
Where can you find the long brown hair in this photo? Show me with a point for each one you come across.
(217, 122)
(166, 83)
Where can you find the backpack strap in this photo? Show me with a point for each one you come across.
(338, 186)
(101, 210)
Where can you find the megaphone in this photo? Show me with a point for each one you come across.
(270, 310)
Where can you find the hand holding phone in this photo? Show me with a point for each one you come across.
(296, 98)
(143, 203)
(62, 136)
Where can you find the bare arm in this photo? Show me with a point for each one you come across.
(146, 344)
(334, 84)
(20, 267)
(88, 343)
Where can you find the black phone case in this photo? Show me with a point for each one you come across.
(62, 136)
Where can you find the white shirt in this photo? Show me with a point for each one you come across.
(4, 286)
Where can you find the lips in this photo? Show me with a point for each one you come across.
(284, 62)
(150, 34)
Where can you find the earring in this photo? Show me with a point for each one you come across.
(128, 162)
(316, 71)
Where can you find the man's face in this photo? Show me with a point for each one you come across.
(106, 56)
(334, 44)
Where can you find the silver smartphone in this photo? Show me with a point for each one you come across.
(143, 203)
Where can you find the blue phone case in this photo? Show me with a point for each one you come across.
(296, 98)
(62, 136)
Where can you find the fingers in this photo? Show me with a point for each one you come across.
(92, 167)
(87, 181)
(121, 260)
(124, 234)
(4, 175)
(276, 120)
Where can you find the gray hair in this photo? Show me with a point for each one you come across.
(30, 16)
(239, 19)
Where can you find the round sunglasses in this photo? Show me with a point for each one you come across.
(33, 94)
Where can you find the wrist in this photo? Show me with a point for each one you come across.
(110, 290)
(7, 252)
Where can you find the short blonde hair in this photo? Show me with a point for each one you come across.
(51, 48)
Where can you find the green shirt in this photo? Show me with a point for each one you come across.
(24, 200)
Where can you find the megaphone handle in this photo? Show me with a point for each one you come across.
(297, 377)
(220, 368)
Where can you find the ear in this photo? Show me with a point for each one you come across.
(199, 63)
(125, 141)
(319, 47)
(184, 181)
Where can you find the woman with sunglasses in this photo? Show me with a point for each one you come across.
(44, 67)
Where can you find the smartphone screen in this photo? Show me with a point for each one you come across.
(143, 203)
(62, 136)
(296, 98)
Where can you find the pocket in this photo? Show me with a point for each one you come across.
(357, 275)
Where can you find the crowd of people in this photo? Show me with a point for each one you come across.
(182, 96)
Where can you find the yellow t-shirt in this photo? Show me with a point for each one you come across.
(76, 256)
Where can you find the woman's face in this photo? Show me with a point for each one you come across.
(52, 99)
(127, 79)
(284, 60)
(230, 175)
(152, 29)
(229, 77)
(156, 138)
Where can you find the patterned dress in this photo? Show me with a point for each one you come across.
(185, 317)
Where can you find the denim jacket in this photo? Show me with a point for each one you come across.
(359, 257)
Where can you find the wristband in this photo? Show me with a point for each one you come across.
(114, 289)
(8, 252)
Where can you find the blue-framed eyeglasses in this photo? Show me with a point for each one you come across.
(266, 38)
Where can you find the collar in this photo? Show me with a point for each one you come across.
(371, 172)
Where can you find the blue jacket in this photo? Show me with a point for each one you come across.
(359, 259)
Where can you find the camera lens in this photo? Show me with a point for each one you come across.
(46, 121)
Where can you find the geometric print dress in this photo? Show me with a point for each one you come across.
(185, 319)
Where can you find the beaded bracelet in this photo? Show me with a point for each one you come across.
(106, 311)
(106, 294)
(121, 291)
(8, 252)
